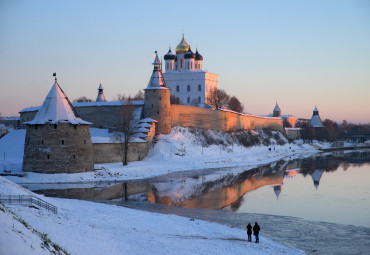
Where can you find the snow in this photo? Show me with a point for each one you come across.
(56, 109)
(83, 227)
(147, 120)
(145, 125)
(181, 150)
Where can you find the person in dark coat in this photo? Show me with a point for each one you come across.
(249, 232)
(256, 231)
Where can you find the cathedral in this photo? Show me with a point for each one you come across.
(185, 76)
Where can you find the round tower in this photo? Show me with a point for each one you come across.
(57, 140)
(157, 100)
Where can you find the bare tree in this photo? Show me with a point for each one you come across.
(139, 95)
(82, 99)
(218, 98)
(126, 129)
(174, 99)
(120, 97)
(235, 105)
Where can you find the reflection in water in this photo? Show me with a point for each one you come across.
(249, 191)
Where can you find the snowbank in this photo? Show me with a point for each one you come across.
(83, 227)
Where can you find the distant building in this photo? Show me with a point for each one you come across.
(185, 76)
(277, 111)
(100, 97)
(315, 121)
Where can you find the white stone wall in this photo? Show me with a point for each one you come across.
(194, 78)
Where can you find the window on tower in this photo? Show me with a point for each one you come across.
(199, 100)
(199, 87)
(188, 88)
(177, 88)
(188, 100)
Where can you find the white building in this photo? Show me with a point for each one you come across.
(186, 78)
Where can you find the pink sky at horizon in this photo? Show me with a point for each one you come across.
(300, 54)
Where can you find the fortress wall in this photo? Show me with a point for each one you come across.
(189, 116)
(109, 152)
(100, 116)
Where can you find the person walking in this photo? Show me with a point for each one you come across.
(256, 231)
(249, 232)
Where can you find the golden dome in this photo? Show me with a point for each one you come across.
(183, 47)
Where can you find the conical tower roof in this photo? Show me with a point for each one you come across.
(316, 120)
(100, 97)
(156, 80)
(56, 109)
(277, 108)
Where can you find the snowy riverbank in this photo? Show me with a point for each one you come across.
(181, 150)
(82, 227)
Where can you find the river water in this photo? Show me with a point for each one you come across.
(319, 204)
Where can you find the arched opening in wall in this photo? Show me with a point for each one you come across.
(48, 156)
(75, 127)
(55, 126)
(84, 141)
(74, 156)
(42, 141)
(36, 126)
(62, 142)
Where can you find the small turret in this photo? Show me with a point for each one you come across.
(100, 97)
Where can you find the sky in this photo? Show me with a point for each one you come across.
(300, 54)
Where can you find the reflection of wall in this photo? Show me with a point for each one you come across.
(111, 192)
(222, 197)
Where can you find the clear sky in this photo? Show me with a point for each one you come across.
(298, 53)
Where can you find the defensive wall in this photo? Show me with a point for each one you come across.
(190, 116)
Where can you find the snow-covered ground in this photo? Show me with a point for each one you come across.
(181, 150)
(83, 227)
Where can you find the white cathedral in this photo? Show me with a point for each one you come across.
(185, 76)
